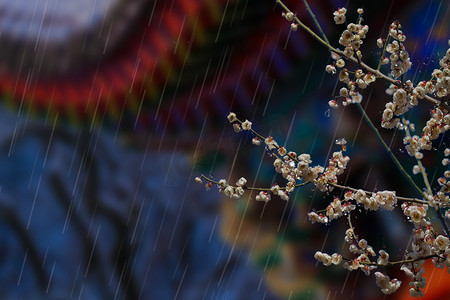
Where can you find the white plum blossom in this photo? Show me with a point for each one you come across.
(323, 258)
(387, 285)
(330, 69)
(336, 258)
(232, 117)
(246, 125)
(263, 196)
(229, 191)
(441, 242)
(256, 141)
(241, 182)
(383, 259)
(339, 15)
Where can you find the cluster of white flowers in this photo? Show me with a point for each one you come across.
(422, 241)
(263, 196)
(352, 39)
(442, 199)
(327, 259)
(384, 199)
(337, 209)
(415, 271)
(413, 146)
(339, 15)
(235, 192)
(352, 95)
(402, 101)
(336, 166)
(362, 250)
(283, 194)
(334, 210)
(416, 213)
(425, 244)
(292, 167)
(405, 95)
(442, 78)
(387, 285)
(317, 217)
(399, 57)
(439, 84)
(435, 126)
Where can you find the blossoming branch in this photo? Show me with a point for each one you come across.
(428, 242)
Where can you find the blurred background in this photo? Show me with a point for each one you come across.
(110, 109)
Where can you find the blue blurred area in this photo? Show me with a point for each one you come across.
(84, 217)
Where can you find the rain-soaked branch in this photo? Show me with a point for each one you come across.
(400, 198)
(251, 188)
(393, 263)
(375, 72)
(336, 185)
(381, 75)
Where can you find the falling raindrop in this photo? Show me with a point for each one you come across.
(327, 113)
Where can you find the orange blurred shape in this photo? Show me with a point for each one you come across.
(437, 288)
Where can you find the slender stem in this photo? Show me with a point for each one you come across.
(422, 169)
(349, 220)
(313, 16)
(425, 177)
(384, 51)
(365, 252)
(428, 186)
(263, 138)
(392, 263)
(312, 33)
(404, 199)
(391, 154)
(250, 188)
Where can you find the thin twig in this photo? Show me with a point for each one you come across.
(392, 263)
(263, 138)
(251, 188)
(384, 51)
(391, 154)
(313, 16)
(400, 198)
(428, 186)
